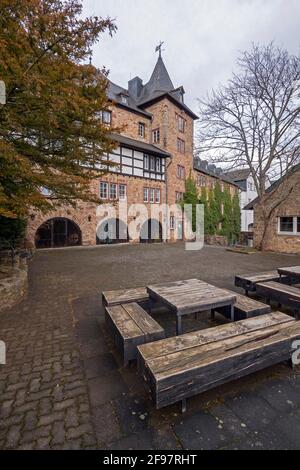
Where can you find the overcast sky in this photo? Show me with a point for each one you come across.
(202, 37)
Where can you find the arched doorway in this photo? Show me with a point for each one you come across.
(151, 231)
(58, 232)
(112, 231)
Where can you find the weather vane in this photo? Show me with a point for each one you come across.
(159, 48)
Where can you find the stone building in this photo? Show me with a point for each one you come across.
(154, 155)
(281, 208)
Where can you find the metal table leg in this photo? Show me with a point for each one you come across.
(178, 325)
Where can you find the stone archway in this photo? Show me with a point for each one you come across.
(112, 231)
(58, 232)
(151, 231)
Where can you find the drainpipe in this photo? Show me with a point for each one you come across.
(166, 181)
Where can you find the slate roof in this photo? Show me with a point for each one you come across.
(273, 186)
(160, 85)
(197, 167)
(238, 175)
(138, 145)
(115, 92)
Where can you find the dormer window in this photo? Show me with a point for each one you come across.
(124, 99)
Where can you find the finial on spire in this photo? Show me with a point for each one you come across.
(159, 48)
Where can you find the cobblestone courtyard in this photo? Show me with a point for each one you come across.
(64, 386)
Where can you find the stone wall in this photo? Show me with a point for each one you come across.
(218, 240)
(13, 281)
(287, 200)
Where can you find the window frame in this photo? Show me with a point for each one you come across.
(106, 185)
(172, 222)
(141, 125)
(181, 120)
(180, 145)
(108, 112)
(180, 172)
(157, 199)
(156, 135)
(295, 232)
(125, 192)
(146, 191)
(151, 195)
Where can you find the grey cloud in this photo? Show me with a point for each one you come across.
(202, 37)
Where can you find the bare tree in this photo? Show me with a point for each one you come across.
(254, 121)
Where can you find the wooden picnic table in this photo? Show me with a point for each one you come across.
(292, 272)
(190, 296)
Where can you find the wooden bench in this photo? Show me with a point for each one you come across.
(124, 296)
(248, 281)
(245, 307)
(181, 367)
(131, 326)
(283, 294)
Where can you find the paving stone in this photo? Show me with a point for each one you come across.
(253, 410)
(280, 394)
(106, 388)
(106, 423)
(201, 431)
(132, 413)
(99, 365)
(49, 419)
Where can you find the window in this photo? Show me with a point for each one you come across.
(106, 117)
(181, 123)
(157, 196)
(180, 172)
(152, 196)
(146, 162)
(124, 99)
(178, 196)
(152, 163)
(172, 222)
(201, 181)
(146, 195)
(112, 191)
(141, 129)
(158, 165)
(103, 190)
(289, 225)
(286, 224)
(122, 192)
(180, 145)
(155, 136)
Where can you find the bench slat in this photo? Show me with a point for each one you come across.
(131, 326)
(146, 323)
(216, 333)
(249, 281)
(228, 366)
(178, 368)
(245, 307)
(122, 296)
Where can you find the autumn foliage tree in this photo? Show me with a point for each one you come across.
(51, 135)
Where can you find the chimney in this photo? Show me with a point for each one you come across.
(135, 86)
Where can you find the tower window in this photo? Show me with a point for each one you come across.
(141, 129)
(155, 136)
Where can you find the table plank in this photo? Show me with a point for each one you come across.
(189, 295)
